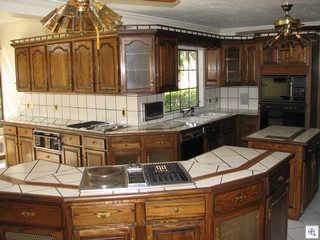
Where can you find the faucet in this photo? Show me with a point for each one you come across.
(187, 110)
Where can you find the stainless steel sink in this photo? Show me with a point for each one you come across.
(213, 115)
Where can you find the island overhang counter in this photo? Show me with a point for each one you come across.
(233, 186)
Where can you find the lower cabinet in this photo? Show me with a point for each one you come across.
(27, 233)
(246, 125)
(94, 151)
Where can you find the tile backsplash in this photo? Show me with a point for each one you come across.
(127, 109)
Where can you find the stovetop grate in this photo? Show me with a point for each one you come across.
(166, 173)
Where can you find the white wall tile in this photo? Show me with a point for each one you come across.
(91, 101)
(112, 116)
(65, 98)
(82, 101)
(83, 114)
(121, 102)
(74, 113)
(101, 115)
(66, 113)
(42, 99)
(91, 114)
(101, 102)
(110, 102)
(58, 99)
(50, 99)
(233, 92)
(73, 100)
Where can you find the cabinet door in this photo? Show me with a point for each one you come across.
(83, 66)
(19, 232)
(137, 64)
(161, 155)
(12, 151)
(167, 64)
(124, 157)
(245, 224)
(246, 125)
(71, 156)
(249, 72)
(298, 57)
(110, 233)
(94, 158)
(269, 56)
(232, 70)
(213, 66)
(26, 150)
(22, 69)
(107, 66)
(59, 67)
(38, 68)
(191, 230)
(277, 214)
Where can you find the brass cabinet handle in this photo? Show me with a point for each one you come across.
(70, 138)
(280, 179)
(176, 210)
(241, 197)
(159, 143)
(103, 215)
(27, 214)
(217, 234)
(151, 83)
(93, 142)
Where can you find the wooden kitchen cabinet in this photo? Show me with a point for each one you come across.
(19, 146)
(107, 66)
(161, 217)
(94, 151)
(213, 66)
(48, 155)
(38, 66)
(246, 125)
(26, 145)
(148, 63)
(239, 209)
(240, 63)
(71, 150)
(83, 66)
(59, 63)
(22, 64)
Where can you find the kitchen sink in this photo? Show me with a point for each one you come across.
(193, 120)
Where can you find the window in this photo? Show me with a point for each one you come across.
(188, 74)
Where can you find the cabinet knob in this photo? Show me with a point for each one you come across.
(27, 214)
(176, 210)
(159, 143)
(280, 179)
(70, 138)
(103, 215)
(93, 142)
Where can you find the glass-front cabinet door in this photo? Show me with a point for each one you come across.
(232, 64)
(137, 61)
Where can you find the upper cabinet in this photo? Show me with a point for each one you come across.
(148, 63)
(213, 66)
(59, 67)
(239, 63)
(275, 61)
(68, 65)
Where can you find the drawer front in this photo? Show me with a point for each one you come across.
(70, 139)
(120, 144)
(98, 215)
(40, 155)
(25, 132)
(34, 214)
(177, 208)
(236, 199)
(160, 141)
(10, 130)
(97, 143)
(276, 180)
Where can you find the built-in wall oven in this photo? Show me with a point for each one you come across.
(47, 140)
(283, 100)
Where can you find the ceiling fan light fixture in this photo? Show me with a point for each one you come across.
(82, 17)
(288, 32)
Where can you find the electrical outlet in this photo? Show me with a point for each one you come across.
(123, 111)
(55, 107)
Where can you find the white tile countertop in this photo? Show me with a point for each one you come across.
(285, 133)
(209, 169)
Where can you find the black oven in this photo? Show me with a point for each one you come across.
(191, 143)
(47, 140)
(282, 114)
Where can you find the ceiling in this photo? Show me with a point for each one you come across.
(238, 15)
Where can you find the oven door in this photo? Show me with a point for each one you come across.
(282, 115)
(47, 140)
(191, 144)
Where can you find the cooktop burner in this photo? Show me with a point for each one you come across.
(133, 176)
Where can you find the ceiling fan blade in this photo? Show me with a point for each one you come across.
(161, 0)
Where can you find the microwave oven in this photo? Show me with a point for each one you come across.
(283, 88)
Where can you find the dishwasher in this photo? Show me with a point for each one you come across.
(191, 143)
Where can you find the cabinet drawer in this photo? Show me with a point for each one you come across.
(160, 141)
(69, 139)
(131, 143)
(277, 179)
(10, 130)
(98, 215)
(31, 214)
(238, 198)
(177, 208)
(25, 132)
(41, 155)
(91, 142)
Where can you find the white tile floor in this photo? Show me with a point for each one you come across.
(296, 229)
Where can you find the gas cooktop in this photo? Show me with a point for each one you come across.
(97, 126)
(134, 176)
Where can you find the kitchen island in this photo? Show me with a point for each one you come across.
(236, 192)
(304, 168)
